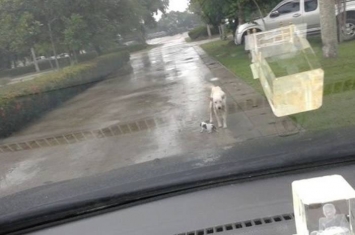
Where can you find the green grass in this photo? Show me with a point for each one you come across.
(188, 39)
(200, 38)
(234, 58)
(339, 81)
(296, 64)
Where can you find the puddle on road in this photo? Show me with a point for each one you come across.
(20, 173)
(107, 132)
(80, 136)
(122, 129)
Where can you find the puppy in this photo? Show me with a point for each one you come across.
(209, 127)
(218, 105)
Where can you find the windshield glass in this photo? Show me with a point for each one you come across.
(89, 87)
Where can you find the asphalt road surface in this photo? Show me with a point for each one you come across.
(150, 114)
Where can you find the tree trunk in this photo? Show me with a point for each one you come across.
(98, 49)
(33, 53)
(143, 40)
(50, 62)
(72, 61)
(261, 14)
(235, 26)
(53, 45)
(15, 61)
(240, 14)
(328, 28)
(223, 32)
(209, 31)
(75, 56)
(8, 62)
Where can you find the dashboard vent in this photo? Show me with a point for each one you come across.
(241, 225)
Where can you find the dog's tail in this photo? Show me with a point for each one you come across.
(209, 86)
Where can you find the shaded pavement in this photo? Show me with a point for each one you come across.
(150, 114)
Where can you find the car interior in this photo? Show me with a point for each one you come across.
(259, 206)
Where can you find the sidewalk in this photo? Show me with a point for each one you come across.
(254, 105)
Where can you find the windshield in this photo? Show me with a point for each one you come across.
(137, 87)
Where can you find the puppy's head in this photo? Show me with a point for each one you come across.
(218, 102)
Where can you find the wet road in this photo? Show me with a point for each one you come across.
(150, 114)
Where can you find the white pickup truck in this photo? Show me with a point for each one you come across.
(297, 12)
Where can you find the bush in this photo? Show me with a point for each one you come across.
(45, 65)
(132, 48)
(86, 57)
(65, 62)
(17, 71)
(138, 47)
(23, 102)
(201, 32)
(198, 32)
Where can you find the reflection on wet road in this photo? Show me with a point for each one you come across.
(150, 114)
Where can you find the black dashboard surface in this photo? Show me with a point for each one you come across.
(219, 210)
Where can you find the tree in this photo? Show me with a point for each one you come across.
(234, 12)
(25, 33)
(98, 15)
(150, 8)
(211, 12)
(70, 25)
(108, 18)
(328, 28)
(177, 22)
(19, 32)
(48, 12)
(45, 49)
(76, 35)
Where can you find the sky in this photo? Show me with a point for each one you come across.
(178, 5)
(175, 5)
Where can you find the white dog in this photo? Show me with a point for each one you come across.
(218, 105)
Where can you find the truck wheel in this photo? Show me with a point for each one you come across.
(243, 38)
(349, 31)
(245, 34)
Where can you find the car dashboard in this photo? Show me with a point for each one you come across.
(262, 206)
